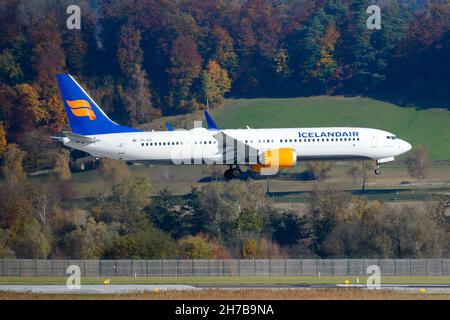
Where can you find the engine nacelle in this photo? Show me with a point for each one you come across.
(276, 158)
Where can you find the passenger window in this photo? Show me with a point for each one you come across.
(142, 144)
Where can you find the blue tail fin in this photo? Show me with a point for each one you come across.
(210, 122)
(85, 116)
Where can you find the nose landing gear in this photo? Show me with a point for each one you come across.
(232, 172)
(377, 169)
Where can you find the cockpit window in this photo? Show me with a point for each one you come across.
(391, 137)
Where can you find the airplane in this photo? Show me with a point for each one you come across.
(264, 150)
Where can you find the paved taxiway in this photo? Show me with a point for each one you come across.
(92, 289)
(118, 289)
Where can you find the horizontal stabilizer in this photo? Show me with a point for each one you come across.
(78, 137)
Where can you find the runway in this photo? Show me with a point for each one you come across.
(93, 289)
(123, 289)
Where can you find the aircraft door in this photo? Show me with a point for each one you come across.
(121, 147)
(374, 141)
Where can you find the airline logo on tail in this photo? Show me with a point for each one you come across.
(81, 108)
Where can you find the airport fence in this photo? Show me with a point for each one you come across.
(227, 267)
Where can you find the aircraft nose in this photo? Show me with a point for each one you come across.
(406, 146)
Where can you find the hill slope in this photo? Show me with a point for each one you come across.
(430, 128)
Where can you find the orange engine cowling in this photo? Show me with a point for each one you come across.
(276, 158)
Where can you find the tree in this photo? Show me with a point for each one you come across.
(42, 201)
(29, 242)
(222, 205)
(360, 169)
(48, 54)
(215, 82)
(10, 71)
(224, 49)
(5, 245)
(131, 194)
(3, 141)
(194, 247)
(185, 67)
(12, 168)
(95, 239)
(414, 233)
(247, 223)
(250, 249)
(328, 208)
(319, 169)
(270, 250)
(29, 112)
(61, 167)
(288, 228)
(129, 52)
(419, 164)
(40, 149)
(137, 98)
(171, 216)
(113, 171)
(8, 106)
(147, 243)
(75, 48)
(56, 118)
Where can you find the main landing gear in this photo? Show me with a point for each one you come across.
(377, 169)
(232, 172)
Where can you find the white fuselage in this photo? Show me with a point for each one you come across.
(199, 146)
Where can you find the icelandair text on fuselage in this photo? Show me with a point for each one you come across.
(328, 134)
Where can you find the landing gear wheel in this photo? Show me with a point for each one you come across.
(377, 171)
(228, 174)
(236, 172)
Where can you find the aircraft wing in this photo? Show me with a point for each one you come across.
(235, 151)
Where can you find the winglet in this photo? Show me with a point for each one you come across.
(169, 126)
(210, 122)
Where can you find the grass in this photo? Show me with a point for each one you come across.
(229, 280)
(428, 127)
(247, 294)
